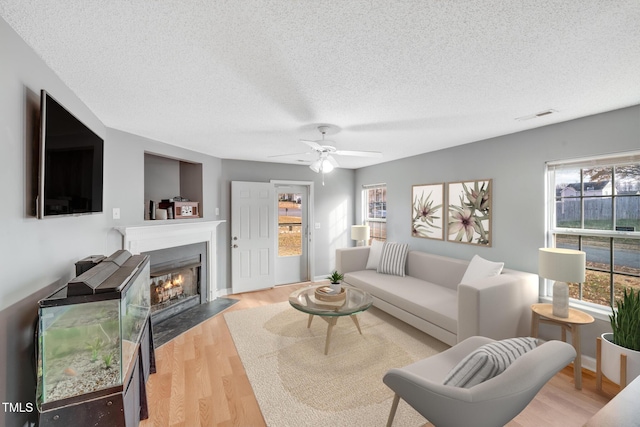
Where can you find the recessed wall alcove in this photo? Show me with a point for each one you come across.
(168, 177)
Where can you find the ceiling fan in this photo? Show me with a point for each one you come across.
(326, 162)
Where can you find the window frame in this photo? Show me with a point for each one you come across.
(366, 219)
(613, 235)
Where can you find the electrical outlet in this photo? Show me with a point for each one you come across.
(116, 213)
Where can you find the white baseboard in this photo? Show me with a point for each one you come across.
(589, 363)
(223, 292)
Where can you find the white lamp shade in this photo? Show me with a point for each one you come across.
(323, 165)
(564, 265)
(360, 232)
(315, 166)
(326, 166)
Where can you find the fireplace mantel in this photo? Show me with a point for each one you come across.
(138, 239)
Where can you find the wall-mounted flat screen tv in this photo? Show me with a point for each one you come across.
(71, 163)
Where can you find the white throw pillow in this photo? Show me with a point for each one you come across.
(375, 251)
(480, 268)
(393, 258)
(488, 361)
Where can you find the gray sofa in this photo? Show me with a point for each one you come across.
(432, 298)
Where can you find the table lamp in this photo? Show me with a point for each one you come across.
(360, 233)
(561, 265)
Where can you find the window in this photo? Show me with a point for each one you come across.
(289, 224)
(374, 202)
(594, 206)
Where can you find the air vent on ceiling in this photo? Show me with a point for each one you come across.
(536, 115)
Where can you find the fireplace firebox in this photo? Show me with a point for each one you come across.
(177, 281)
(174, 286)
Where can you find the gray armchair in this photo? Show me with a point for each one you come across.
(492, 403)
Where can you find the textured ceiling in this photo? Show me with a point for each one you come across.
(248, 79)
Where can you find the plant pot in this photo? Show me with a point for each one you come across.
(336, 287)
(610, 360)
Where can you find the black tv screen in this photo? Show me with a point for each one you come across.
(71, 163)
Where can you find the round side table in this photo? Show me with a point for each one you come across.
(543, 313)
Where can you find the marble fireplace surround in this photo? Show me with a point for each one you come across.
(138, 239)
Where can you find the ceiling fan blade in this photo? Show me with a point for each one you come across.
(313, 145)
(306, 153)
(359, 153)
(333, 161)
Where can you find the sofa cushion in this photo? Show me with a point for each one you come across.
(375, 251)
(480, 268)
(488, 361)
(433, 303)
(393, 258)
(438, 269)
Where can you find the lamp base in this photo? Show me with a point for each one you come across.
(561, 299)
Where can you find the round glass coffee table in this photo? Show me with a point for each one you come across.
(355, 301)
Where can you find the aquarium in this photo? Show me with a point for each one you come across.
(89, 330)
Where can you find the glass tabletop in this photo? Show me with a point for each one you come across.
(355, 301)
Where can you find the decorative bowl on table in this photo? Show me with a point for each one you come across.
(325, 293)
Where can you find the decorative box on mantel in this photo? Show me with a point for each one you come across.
(182, 209)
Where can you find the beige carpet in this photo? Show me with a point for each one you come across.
(297, 385)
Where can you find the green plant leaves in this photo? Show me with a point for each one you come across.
(625, 321)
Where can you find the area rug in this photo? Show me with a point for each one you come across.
(297, 385)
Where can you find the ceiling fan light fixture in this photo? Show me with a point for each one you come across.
(315, 166)
(322, 165)
(327, 166)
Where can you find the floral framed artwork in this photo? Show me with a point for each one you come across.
(469, 212)
(428, 211)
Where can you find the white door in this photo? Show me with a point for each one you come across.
(292, 260)
(253, 239)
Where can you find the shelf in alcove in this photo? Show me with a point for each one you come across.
(166, 177)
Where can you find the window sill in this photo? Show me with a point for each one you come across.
(597, 311)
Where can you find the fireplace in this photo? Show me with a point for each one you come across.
(175, 288)
(177, 280)
(183, 263)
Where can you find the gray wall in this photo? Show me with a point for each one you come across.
(333, 206)
(161, 178)
(124, 175)
(516, 163)
(37, 256)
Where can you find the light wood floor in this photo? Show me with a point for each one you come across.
(200, 381)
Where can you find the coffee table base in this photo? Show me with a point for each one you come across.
(332, 320)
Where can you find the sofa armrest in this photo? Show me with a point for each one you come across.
(352, 259)
(497, 307)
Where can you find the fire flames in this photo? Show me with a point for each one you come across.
(169, 289)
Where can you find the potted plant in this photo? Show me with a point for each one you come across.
(335, 278)
(625, 339)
